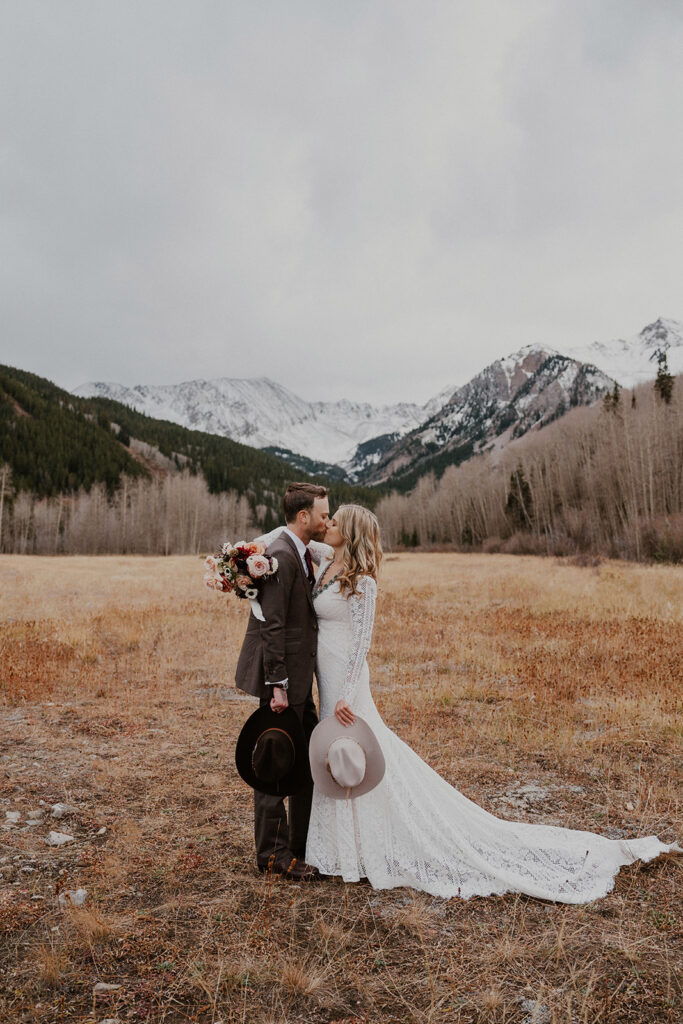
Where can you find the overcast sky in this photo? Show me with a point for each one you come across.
(367, 199)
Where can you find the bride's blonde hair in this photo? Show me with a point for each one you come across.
(362, 551)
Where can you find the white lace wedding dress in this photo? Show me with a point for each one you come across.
(416, 830)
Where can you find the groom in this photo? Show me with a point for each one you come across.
(276, 665)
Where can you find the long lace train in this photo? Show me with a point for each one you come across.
(415, 829)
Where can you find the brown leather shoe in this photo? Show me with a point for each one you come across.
(292, 868)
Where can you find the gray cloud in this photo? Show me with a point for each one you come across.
(388, 194)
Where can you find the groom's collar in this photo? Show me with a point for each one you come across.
(300, 546)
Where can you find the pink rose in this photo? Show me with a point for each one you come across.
(210, 564)
(243, 582)
(258, 565)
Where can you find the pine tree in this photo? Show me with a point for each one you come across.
(612, 400)
(664, 382)
(518, 506)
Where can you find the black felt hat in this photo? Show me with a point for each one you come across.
(272, 752)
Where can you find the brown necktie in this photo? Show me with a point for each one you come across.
(309, 565)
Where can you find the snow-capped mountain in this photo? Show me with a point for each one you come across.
(509, 397)
(632, 361)
(373, 443)
(261, 413)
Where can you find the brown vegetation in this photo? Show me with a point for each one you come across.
(606, 480)
(169, 514)
(117, 698)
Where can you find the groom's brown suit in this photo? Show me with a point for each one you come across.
(283, 647)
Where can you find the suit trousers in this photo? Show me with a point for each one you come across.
(273, 833)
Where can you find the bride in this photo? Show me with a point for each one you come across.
(414, 829)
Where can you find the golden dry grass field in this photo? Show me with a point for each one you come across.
(502, 672)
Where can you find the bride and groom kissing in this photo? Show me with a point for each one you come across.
(361, 803)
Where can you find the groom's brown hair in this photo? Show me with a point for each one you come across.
(299, 497)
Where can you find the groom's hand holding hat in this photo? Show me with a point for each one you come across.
(279, 701)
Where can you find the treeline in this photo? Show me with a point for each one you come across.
(173, 515)
(604, 480)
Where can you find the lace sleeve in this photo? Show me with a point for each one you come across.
(268, 538)
(362, 607)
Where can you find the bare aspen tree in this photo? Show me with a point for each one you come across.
(594, 480)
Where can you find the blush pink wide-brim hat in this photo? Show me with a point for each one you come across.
(346, 760)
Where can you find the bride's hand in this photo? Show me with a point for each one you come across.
(343, 713)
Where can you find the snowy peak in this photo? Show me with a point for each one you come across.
(511, 396)
(633, 361)
(264, 414)
(663, 334)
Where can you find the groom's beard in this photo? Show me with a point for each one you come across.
(319, 534)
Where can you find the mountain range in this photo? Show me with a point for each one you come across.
(373, 444)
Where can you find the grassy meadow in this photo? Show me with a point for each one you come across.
(544, 690)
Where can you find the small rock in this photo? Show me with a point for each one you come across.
(58, 839)
(62, 810)
(102, 987)
(73, 898)
(13, 816)
(101, 831)
(537, 1012)
(35, 815)
(117, 1020)
(37, 897)
(629, 806)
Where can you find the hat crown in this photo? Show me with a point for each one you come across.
(273, 756)
(346, 762)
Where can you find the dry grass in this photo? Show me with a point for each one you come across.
(117, 698)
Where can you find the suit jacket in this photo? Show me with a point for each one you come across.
(286, 644)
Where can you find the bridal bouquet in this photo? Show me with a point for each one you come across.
(239, 569)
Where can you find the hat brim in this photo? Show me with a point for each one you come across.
(265, 718)
(323, 735)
